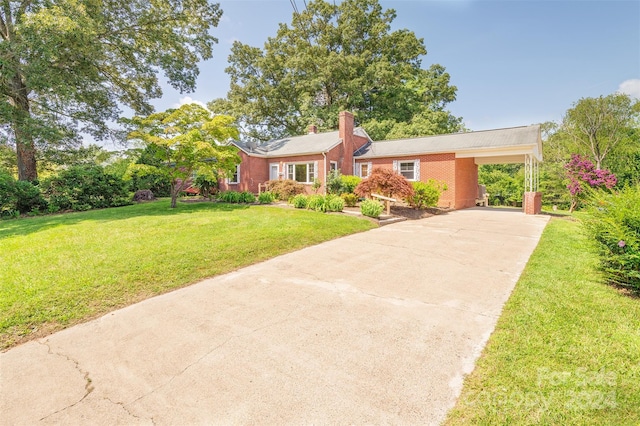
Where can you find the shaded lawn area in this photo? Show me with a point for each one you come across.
(566, 349)
(63, 269)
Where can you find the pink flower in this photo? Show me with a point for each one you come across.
(621, 243)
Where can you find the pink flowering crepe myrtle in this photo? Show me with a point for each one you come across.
(581, 172)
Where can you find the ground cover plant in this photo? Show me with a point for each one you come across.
(61, 269)
(566, 349)
(371, 208)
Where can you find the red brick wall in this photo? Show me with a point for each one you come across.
(466, 183)
(460, 175)
(432, 166)
(253, 170)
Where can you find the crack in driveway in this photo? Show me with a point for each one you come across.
(88, 387)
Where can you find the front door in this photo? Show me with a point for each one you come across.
(273, 171)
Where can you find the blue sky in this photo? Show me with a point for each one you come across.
(514, 62)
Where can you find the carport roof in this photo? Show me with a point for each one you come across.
(502, 145)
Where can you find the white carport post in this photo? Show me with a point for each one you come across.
(532, 202)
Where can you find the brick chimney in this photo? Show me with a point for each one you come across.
(345, 131)
(313, 129)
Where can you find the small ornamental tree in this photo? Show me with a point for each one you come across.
(385, 182)
(187, 140)
(582, 175)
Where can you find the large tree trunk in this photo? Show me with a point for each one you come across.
(25, 147)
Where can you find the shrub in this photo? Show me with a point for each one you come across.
(235, 197)
(350, 200)
(206, 184)
(385, 182)
(426, 194)
(144, 176)
(614, 224)
(300, 201)
(349, 183)
(84, 188)
(285, 189)
(8, 199)
(334, 203)
(229, 196)
(266, 197)
(29, 198)
(334, 182)
(317, 203)
(247, 197)
(371, 208)
(340, 184)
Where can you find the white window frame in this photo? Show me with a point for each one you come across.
(333, 165)
(236, 175)
(310, 175)
(397, 167)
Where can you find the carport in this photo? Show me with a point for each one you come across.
(518, 145)
(454, 159)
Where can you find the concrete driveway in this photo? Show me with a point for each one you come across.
(378, 327)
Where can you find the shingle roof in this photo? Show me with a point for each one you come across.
(515, 136)
(313, 143)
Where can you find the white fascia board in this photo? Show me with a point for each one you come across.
(500, 151)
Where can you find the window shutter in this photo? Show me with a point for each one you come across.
(315, 170)
(395, 165)
(417, 169)
(369, 166)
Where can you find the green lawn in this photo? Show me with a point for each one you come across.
(566, 349)
(63, 269)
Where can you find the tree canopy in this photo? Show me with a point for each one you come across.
(67, 65)
(600, 125)
(187, 140)
(334, 57)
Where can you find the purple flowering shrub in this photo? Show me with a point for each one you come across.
(614, 223)
(583, 175)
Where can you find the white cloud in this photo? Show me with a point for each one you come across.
(189, 100)
(630, 87)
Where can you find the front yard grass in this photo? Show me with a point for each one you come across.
(566, 349)
(63, 269)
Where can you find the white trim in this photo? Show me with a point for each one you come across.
(290, 171)
(237, 173)
(416, 168)
(331, 163)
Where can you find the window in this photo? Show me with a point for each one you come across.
(333, 165)
(408, 170)
(301, 172)
(236, 175)
(365, 169)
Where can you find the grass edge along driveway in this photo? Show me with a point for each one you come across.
(566, 349)
(64, 269)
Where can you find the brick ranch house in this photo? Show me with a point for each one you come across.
(451, 158)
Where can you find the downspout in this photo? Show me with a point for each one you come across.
(324, 154)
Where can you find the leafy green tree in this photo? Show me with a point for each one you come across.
(68, 65)
(598, 126)
(504, 182)
(188, 140)
(335, 57)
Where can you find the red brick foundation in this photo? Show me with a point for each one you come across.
(532, 203)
